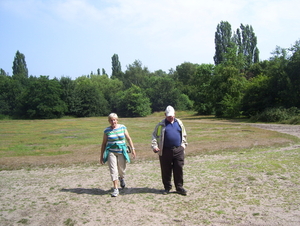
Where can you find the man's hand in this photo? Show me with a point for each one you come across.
(155, 150)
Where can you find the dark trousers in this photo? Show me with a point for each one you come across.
(172, 160)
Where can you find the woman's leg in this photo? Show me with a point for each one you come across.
(113, 168)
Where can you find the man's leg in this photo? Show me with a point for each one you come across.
(166, 168)
(178, 163)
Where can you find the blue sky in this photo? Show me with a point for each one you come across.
(74, 37)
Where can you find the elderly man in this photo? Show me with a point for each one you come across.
(169, 141)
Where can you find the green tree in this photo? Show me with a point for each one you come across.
(69, 95)
(5, 94)
(223, 41)
(11, 91)
(91, 99)
(42, 99)
(201, 93)
(116, 66)
(227, 91)
(108, 87)
(280, 86)
(246, 41)
(133, 102)
(20, 71)
(293, 71)
(136, 74)
(163, 91)
(183, 75)
(257, 96)
(2, 72)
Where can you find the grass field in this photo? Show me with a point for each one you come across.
(235, 174)
(28, 143)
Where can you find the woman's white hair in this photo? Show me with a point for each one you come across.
(113, 115)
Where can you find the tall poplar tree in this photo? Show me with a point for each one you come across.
(116, 66)
(246, 41)
(19, 65)
(223, 41)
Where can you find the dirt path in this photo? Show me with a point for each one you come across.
(230, 193)
(289, 129)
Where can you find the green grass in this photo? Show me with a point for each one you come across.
(77, 137)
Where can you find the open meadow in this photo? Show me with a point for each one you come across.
(236, 173)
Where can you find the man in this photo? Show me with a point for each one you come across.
(169, 141)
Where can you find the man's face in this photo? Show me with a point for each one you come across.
(170, 118)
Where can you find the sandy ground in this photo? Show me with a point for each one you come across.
(80, 194)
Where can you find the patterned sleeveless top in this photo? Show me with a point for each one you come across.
(115, 137)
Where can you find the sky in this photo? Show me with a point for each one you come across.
(72, 38)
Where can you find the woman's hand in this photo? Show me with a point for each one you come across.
(133, 153)
(101, 160)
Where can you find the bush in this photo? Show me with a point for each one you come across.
(277, 115)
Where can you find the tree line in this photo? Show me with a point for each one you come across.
(237, 84)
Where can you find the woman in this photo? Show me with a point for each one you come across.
(114, 151)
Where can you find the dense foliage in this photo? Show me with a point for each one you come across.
(238, 84)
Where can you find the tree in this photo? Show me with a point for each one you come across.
(116, 66)
(69, 95)
(223, 40)
(108, 87)
(42, 99)
(227, 91)
(5, 94)
(136, 74)
(184, 74)
(201, 93)
(163, 91)
(20, 71)
(103, 72)
(133, 102)
(246, 41)
(2, 72)
(91, 99)
(293, 70)
(257, 96)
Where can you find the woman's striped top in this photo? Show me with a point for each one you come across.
(115, 136)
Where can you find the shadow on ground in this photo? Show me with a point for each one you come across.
(98, 191)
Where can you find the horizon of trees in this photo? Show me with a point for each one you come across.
(238, 84)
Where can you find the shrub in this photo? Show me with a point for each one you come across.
(276, 115)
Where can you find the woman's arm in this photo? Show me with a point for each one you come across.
(103, 146)
(128, 138)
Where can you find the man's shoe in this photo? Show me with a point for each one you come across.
(165, 192)
(122, 182)
(115, 192)
(182, 191)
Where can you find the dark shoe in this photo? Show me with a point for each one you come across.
(122, 182)
(165, 192)
(182, 191)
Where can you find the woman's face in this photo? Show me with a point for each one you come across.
(113, 122)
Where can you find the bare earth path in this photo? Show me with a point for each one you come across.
(230, 193)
